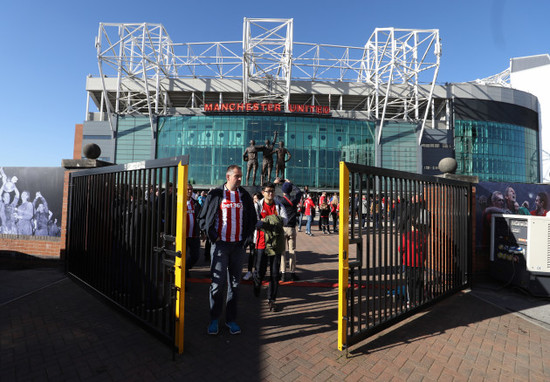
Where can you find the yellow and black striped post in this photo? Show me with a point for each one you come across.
(343, 251)
(179, 265)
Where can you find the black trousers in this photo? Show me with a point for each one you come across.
(415, 283)
(262, 260)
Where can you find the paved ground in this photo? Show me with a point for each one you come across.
(53, 329)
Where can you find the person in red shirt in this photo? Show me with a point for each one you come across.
(322, 199)
(413, 246)
(309, 212)
(541, 205)
(264, 208)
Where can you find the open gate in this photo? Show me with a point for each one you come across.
(124, 239)
(405, 242)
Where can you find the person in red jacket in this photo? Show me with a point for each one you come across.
(413, 245)
(310, 213)
(541, 205)
(413, 250)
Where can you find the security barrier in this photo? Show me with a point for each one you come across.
(124, 239)
(405, 242)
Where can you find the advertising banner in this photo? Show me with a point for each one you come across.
(507, 198)
(31, 200)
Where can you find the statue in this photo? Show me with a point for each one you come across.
(282, 152)
(267, 161)
(250, 156)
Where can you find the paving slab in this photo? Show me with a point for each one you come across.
(54, 329)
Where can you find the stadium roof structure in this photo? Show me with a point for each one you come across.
(142, 71)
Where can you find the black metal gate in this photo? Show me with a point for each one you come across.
(118, 219)
(405, 242)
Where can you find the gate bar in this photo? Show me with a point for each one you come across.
(179, 265)
(343, 249)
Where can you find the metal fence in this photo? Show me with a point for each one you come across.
(118, 220)
(405, 242)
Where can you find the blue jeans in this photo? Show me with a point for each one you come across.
(225, 268)
(308, 223)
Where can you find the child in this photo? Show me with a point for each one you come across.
(324, 212)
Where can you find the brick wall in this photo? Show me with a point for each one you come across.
(78, 134)
(41, 246)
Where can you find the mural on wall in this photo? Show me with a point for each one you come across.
(31, 200)
(507, 198)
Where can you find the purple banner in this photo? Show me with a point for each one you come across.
(507, 198)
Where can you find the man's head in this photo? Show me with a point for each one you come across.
(189, 191)
(497, 199)
(281, 144)
(25, 196)
(267, 143)
(510, 197)
(252, 142)
(268, 192)
(541, 201)
(287, 188)
(234, 176)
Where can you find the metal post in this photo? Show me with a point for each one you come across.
(179, 266)
(343, 250)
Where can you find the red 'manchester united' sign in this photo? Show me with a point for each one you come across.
(265, 107)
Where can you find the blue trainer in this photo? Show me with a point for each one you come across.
(233, 327)
(213, 327)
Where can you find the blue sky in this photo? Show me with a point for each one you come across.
(48, 48)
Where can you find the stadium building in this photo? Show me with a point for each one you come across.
(378, 105)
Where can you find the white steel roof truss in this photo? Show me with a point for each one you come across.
(391, 56)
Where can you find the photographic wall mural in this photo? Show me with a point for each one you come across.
(31, 200)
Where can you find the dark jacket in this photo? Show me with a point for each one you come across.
(196, 227)
(291, 209)
(414, 215)
(211, 207)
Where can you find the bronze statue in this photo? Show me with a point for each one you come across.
(282, 152)
(267, 161)
(250, 156)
